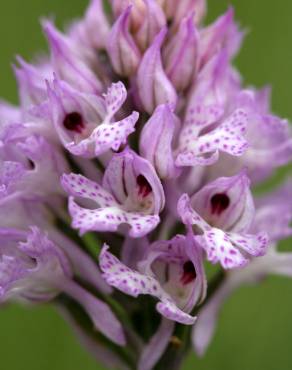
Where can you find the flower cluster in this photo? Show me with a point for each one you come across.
(128, 165)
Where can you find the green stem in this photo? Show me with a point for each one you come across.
(92, 244)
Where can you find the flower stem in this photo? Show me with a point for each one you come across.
(92, 244)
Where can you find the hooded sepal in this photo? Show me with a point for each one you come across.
(156, 89)
(222, 34)
(69, 61)
(122, 49)
(157, 141)
(93, 30)
(180, 55)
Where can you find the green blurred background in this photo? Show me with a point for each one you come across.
(255, 328)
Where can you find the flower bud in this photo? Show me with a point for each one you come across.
(222, 34)
(177, 10)
(181, 55)
(94, 28)
(153, 85)
(69, 62)
(31, 82)
(123, 52)
(154, 19)
(156, 141)
(137, 15)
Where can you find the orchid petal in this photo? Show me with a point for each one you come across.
(112, 203)
(133, 283)
(203, 150)
(226, 203)
(69, 63)
(156, 88)
(90, 131)
(94, 28)
(156, 141)
(228, 248)
(122, 49)
(181, 54)
(222, 33)
(153, 21)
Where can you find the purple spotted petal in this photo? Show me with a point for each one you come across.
(228, 248)
(134, 283)
(268, 137)
(113, 135)
(80, 186)
(85, 122)
(171, 312)
(138, 207)
(228, 137)
(209, 128)
(109, 219)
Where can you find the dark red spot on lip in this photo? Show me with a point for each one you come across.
(31, 164)
(219, 203)
(189, 273)
(74, 122)
(144, 186)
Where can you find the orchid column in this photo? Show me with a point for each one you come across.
(128, 167)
